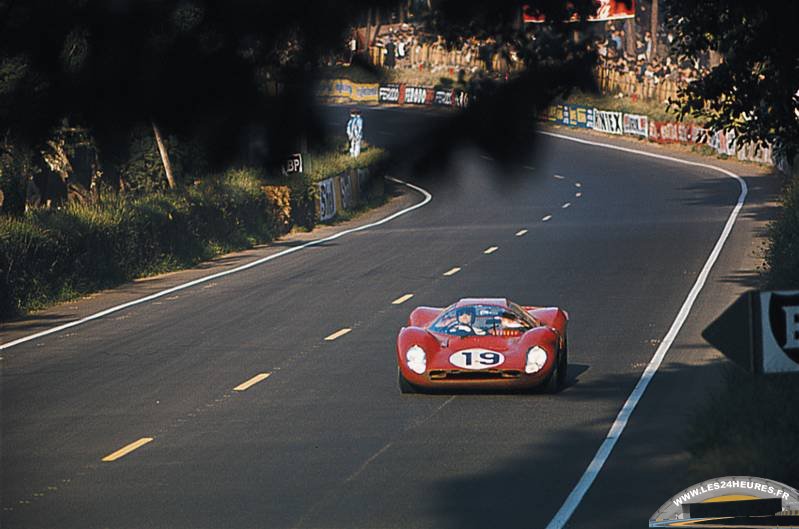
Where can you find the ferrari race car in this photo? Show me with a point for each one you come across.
(483, 343)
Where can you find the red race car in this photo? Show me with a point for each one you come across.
(483, 343)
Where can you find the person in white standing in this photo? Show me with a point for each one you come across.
(355, 132)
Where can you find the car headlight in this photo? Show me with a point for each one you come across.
(536, 358)
(416, 359)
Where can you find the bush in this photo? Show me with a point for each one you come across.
(782, 254)
(15, 163)
(143, 172)
(50, 255)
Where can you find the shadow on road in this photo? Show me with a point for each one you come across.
(643, 471)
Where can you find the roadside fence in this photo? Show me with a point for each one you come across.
(611, 122)
(612, 82)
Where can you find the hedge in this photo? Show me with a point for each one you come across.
(49, 255)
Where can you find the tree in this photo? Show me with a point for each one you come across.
(197, 68)
(754, 88)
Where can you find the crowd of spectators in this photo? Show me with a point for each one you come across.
(407, 46)
(648, 61)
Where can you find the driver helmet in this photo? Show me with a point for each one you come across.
(465, 310)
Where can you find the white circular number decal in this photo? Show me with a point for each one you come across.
(476, 359)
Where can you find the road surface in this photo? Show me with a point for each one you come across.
(326, 440)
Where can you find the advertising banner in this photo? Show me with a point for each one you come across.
(664, 132)
(327, 200)
(418, 95)
(365, 92)
(606, 10)
(460, 99)
(636, 125)
(608, 121)
(724, 142)
(555, 115)
(578, 116)
(442, 98)
(335, 88)
(361, 92)
(389, 93)
(347, 198)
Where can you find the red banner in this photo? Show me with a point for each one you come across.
(606, 10)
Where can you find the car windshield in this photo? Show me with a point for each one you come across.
(482, 320)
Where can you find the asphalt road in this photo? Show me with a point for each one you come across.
(327, 441)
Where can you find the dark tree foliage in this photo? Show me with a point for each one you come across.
(201, 68)
(754, 89)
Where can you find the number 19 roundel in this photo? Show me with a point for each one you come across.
(476, 359)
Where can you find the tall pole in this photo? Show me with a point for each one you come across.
(654, 23)
(629, 36)
(159, 140)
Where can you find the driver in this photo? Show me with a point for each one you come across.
(465, 321)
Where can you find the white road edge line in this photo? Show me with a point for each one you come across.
(427, 198)
(575, 497)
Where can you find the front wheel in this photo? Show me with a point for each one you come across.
(564, 363)
(405, 387)
(555, 380)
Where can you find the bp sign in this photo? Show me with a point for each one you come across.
(760, 332)
(781, 344)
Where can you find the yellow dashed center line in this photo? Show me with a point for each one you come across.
(452, 271)
(402, 299)
(520, 233)
(251, 382)
(566, 205)
(338, 334)
(578, 184)
(559, 177)
(125, 450)
(547, 218)
(491, 250)
(578, 195)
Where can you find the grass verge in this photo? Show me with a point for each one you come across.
(53, 255)
(751, 427)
